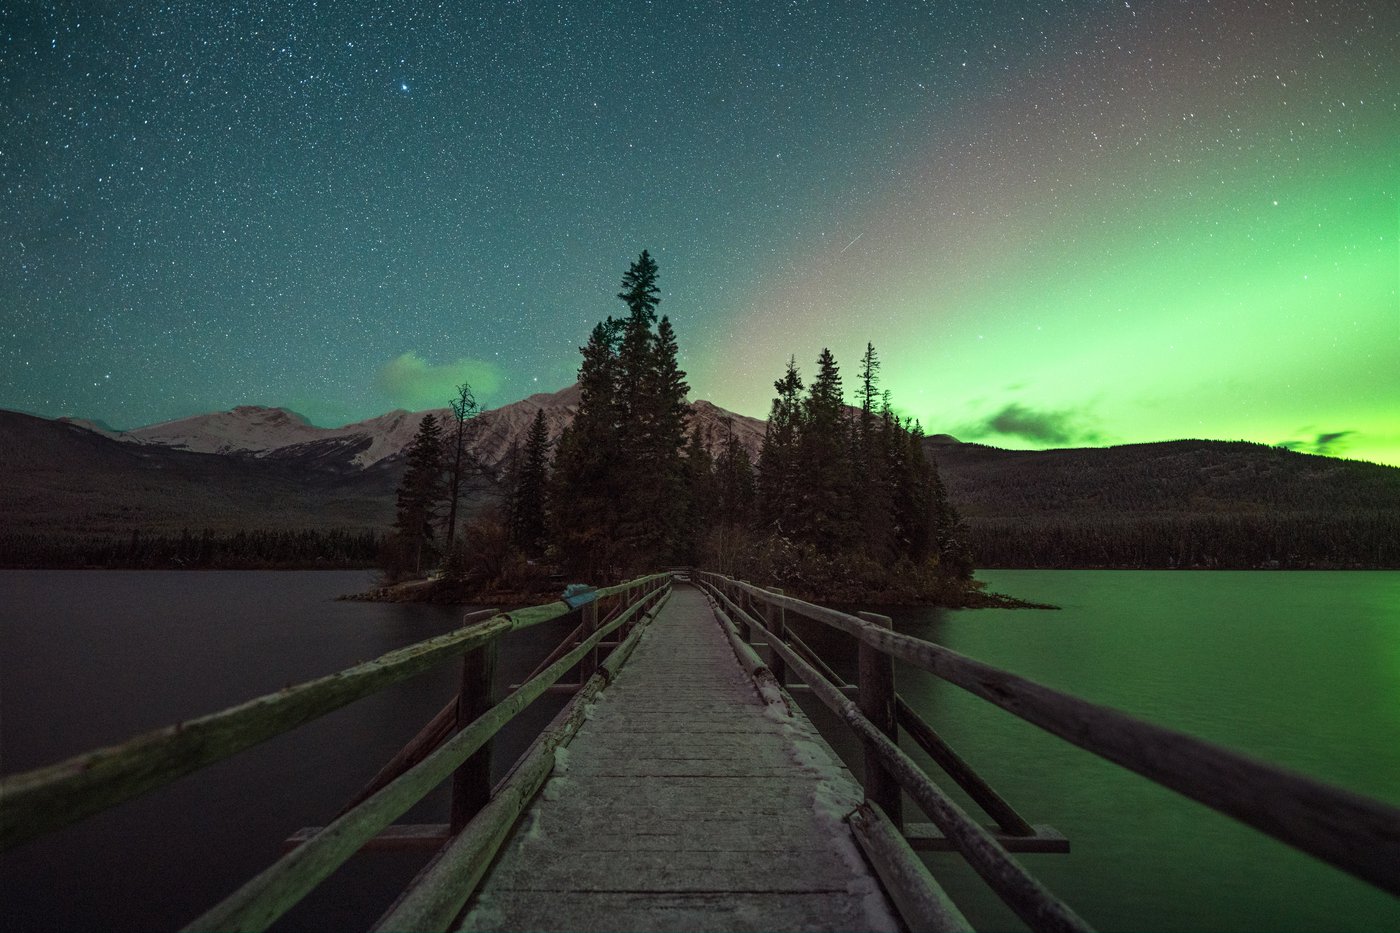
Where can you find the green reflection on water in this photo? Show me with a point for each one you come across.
(1299, 669)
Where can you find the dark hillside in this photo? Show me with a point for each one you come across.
(63, 480)
(1173, 504)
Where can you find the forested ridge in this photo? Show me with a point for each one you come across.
(1176, 504)
(844, 499)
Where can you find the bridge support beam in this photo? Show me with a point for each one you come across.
(877, 702)
(471, 783)
(774, 615)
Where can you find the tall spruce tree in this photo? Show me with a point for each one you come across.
(665, 414)
(698, 498)
(639, 290)
(874, 516)
(420, 493)
(734, 481)
(527, 505)
(583, 487)
(777, 459)
(824, 461)
(619, 478)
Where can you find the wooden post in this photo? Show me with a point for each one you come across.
(876, 700)
(777, 624)
(589, 664)
(471, 783)
(745, 602)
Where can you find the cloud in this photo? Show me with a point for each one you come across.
(412, 382)
(1327, 444)
(1063, 426)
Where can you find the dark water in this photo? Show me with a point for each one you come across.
(89, 658)
(1300, 669)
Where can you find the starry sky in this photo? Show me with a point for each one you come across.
(1061, 224)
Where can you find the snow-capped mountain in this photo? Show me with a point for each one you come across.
(276, 433)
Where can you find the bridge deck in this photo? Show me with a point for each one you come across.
(686, 803)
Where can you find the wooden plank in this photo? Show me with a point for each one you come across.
(933, 745)
(437, 894)
(925, 837)
(681, 912)
(276, 889)
(777, 624)
(850, 690)
(922, 902)
(471, 782)
(1026, 896)
(765, 681)
(1011, 822)
(46, 799)
(419, 747)
(1357, 834)
(875, 692)
(636, 821)
(688, 870)
(400, 837)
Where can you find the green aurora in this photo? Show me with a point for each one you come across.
(1060, 224)
(1217, 260)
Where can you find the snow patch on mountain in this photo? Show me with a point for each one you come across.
(259, 431)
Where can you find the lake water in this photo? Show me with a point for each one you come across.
(89, 658)
(1302, 669)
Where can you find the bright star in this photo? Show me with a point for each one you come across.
(403, 87)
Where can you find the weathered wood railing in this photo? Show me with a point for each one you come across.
(1354, 833)
(453, 746)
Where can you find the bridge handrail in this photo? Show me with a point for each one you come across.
(278, 888)
(36, 802)
(1357, 834)
(1018, 889)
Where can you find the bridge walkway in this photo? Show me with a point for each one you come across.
(687, 803)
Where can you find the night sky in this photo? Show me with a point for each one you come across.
(1060, 224)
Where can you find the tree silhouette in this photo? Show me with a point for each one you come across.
(464, 407)
(777, 493)
(527, 508)
(618, 479)
(420, 492)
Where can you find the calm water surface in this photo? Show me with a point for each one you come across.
(89, 658)
(1302, 669)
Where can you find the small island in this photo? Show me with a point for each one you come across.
(841, 504)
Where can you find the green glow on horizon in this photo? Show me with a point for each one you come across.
(1248, 291)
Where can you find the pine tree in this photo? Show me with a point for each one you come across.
(619, 474)
(698, 498)
(868, 392)
(665, 416)
(824, 462)
(777, 490)
(527, 512)
(420, 493)
(464, 407)
(734, 481)
(639, 291)
(870, 465)
(582, 489)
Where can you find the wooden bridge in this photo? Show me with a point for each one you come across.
(686, 790)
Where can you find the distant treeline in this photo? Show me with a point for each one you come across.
(1242, 541)
(206, 549)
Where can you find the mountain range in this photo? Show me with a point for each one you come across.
(258, 467)
(253, 431)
